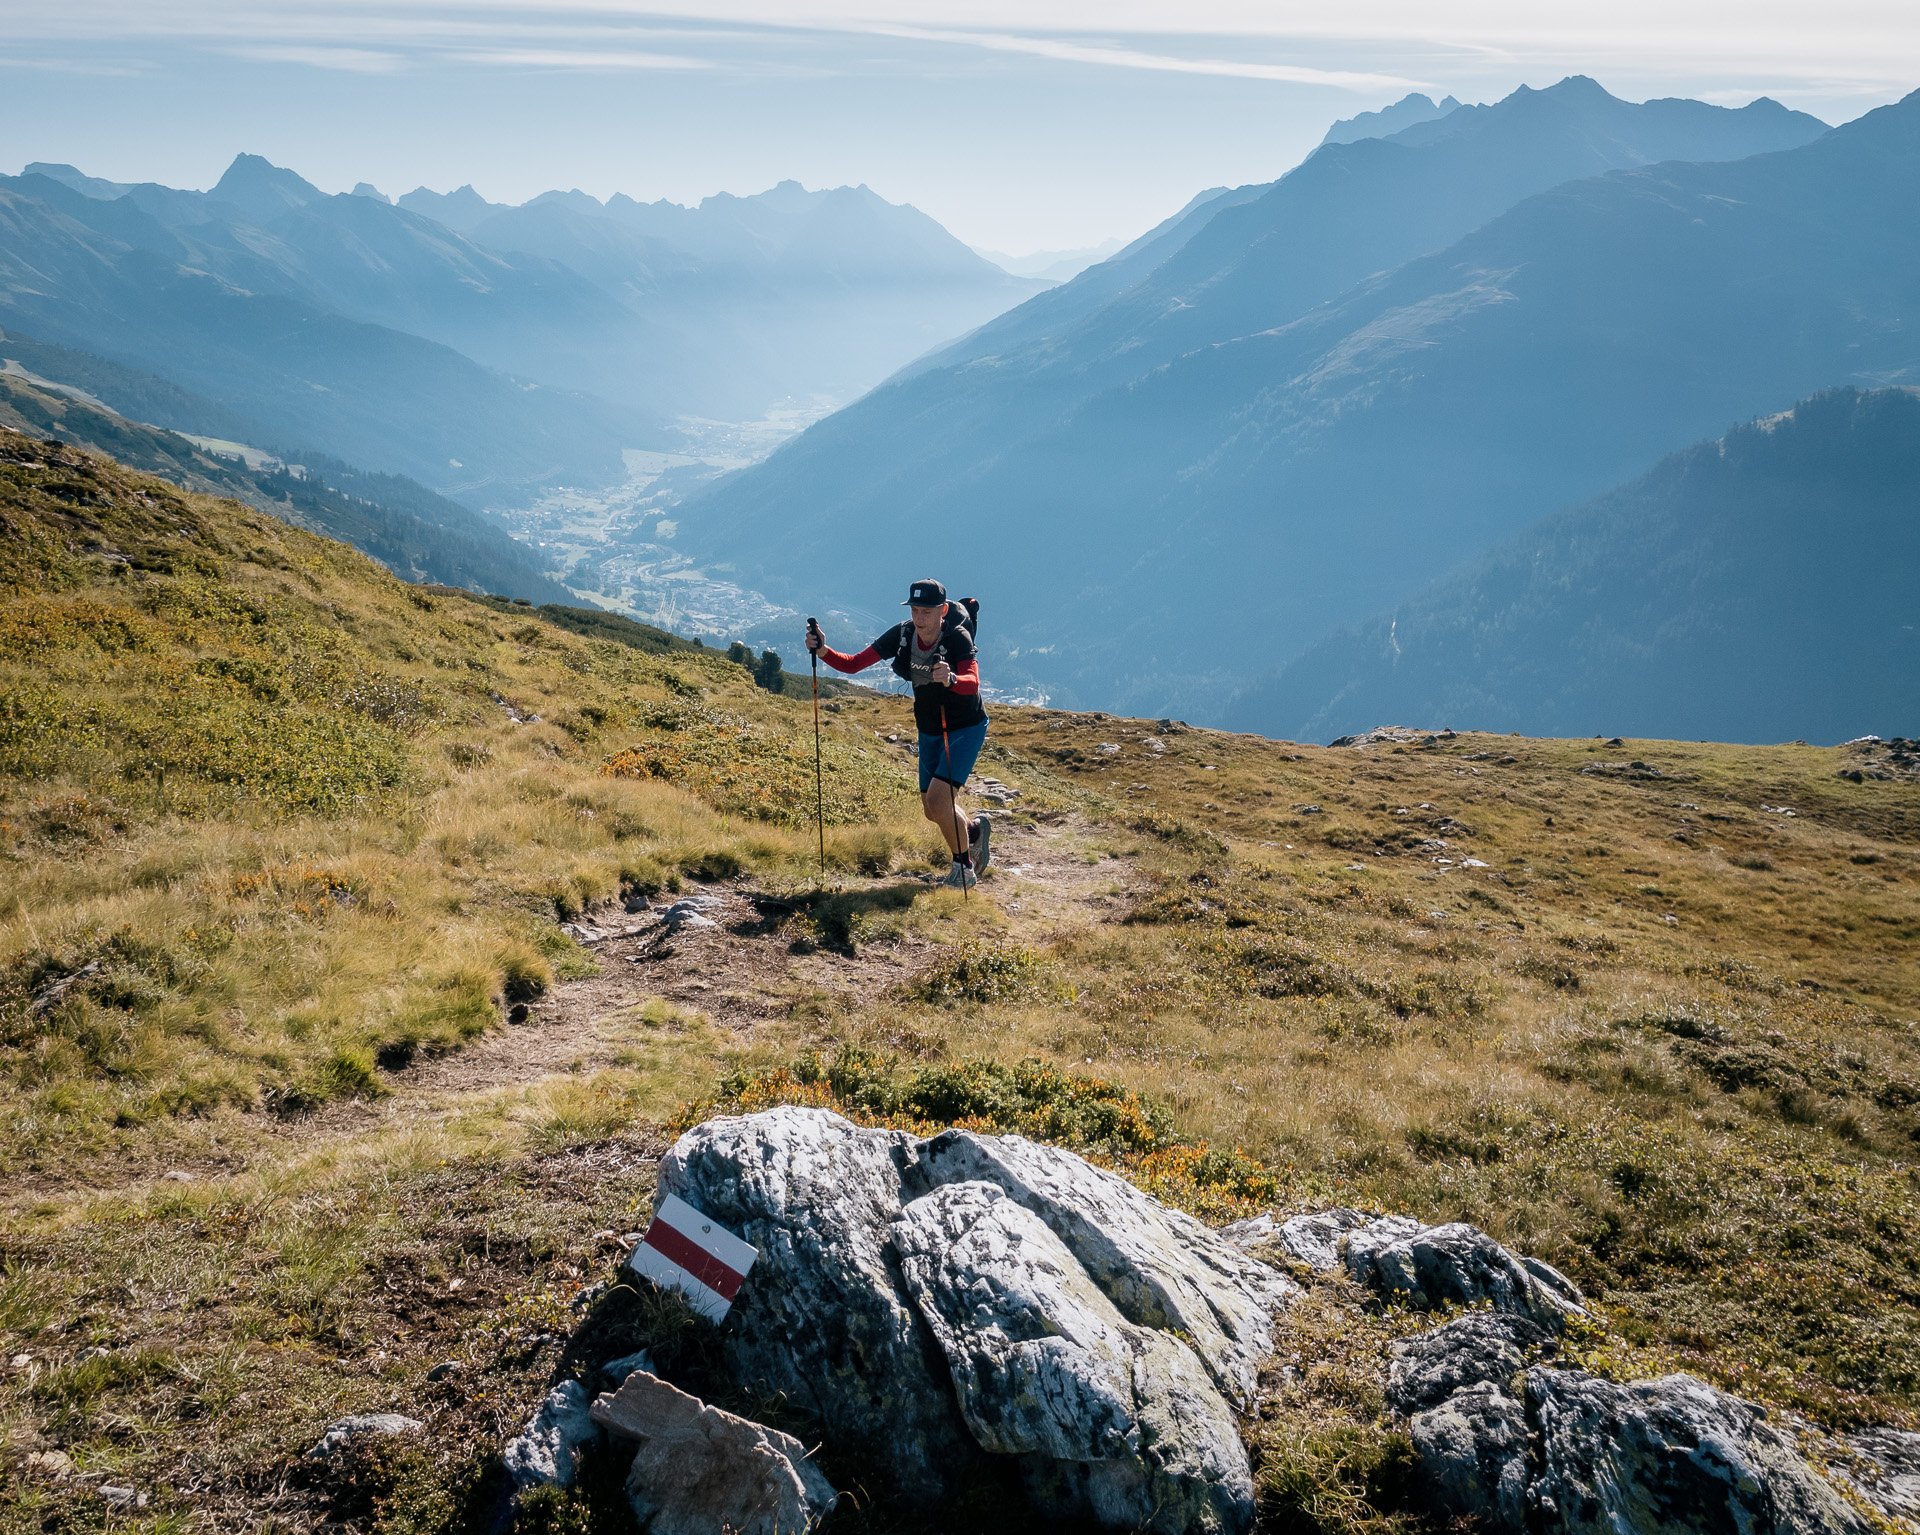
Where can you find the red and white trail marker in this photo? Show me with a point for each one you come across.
(685, 1251)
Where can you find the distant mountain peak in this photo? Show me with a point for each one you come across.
(368, 189)
(1414, 107)
(72, 176)
(263, 190)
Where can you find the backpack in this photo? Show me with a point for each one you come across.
(962, 613)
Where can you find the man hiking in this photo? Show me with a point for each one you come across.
(934, 651)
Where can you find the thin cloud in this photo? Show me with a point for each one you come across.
(1131, 58)
(358, 61)
(70, 67)
(569, 58)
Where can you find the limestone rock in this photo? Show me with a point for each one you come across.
(1480, 1347)
(1458, 1264)
(1672, 1454)
(916, 1361)
(1113, 1419)
(548, 1449)
(1159, 1266)
(360, 1426)
(699, 1469)
(1473, 1451)
(822, 1322)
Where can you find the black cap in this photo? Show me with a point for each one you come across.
(925, 594)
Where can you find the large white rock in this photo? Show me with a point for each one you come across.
(1457, 1264)
(1159, 1266)
(852, 1314)
(1110, 1417)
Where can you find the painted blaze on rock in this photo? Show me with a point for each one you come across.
(938, 1304)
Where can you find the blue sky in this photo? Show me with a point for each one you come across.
(1020, 124)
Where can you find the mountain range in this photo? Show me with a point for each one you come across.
(1341, 386)
(1762, 586)
(483, 349)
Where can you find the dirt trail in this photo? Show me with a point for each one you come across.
(1048, 879)
(747, 968)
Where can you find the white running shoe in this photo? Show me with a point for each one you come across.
(959, 877)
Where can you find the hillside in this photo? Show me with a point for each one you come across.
(417, 535)
(1761, 587)
(342, 1040)
(1344, 386)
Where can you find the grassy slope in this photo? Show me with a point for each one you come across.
(269, 833)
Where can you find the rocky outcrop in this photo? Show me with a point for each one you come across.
(1425, 1266)
(1457, 1264)
(1563, 1450)
(1106, 1416)
(1482, 1347)
(939, 1303)
(1885, 1470)
(698, 1469)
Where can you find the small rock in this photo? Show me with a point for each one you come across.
(92, 1351)
(120, 1496)
(54, 1463)
(177, 1175)
(446, 1369)
(699, 1469)
(1308, 810)
(360, 1426)
(547, 1451)
(690, 914)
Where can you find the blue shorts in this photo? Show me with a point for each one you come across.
(965, 747)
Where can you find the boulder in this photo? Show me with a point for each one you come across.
(1473, 1451)
(1672, 1454)
(1109, 1417)
(1482, 1347)
(548, 1450)
(1457, 1264)
(921, 1361)
(1564, 1451)
(698, 1469)
(822, 1323)
(1159, 1266)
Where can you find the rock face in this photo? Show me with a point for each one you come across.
(699, 1469)
(1108, 1416)
(936, 1303)
(1888, 1470)
(1562, 1450)
(1457, 1264)
(1482, 1347)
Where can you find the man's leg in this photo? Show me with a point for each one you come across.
(940, 805)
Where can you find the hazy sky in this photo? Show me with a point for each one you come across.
(1020, 124)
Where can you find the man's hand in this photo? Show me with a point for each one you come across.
(942, 673)
(816, 641)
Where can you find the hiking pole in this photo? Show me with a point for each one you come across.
(819, 788)
(953, 802)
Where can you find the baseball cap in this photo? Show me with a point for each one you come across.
(925, 594)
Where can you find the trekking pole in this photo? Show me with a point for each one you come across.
(953, 801)
(819, 788)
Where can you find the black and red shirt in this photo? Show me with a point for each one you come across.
(953, 706)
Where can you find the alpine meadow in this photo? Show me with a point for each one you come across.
(1347, 962)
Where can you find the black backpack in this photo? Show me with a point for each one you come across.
(961, 614)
